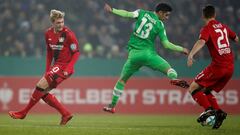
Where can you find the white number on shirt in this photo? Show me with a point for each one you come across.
(223, 48)
(223, 34)
(144, 33)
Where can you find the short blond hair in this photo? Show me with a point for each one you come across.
(56, 14)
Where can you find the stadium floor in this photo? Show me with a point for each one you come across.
(115, 125)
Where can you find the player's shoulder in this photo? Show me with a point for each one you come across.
(48, 30)
(204, 28)
(68, 30)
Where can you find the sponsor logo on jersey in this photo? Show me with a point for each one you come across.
(56, 47)
(73, 46)
(224, 51)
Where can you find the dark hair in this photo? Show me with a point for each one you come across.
(208, 11)
(163, 7)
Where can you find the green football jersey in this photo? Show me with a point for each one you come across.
(146, 30)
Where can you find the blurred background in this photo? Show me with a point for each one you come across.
(102, 37)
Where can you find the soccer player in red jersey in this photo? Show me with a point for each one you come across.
(214, 77)
(62, 54)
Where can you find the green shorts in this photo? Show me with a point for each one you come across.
(138, 58)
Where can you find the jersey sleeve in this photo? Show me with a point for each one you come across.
(49, 55)
(125, 13)
(162, 33)
(136, 13)
(232, 35)
(73, 43)
(204, 34)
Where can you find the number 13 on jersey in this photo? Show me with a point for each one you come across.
(144, 29)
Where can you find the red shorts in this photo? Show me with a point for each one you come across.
(214, 77)
(55, 76)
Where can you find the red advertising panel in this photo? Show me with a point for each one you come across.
(90, 94)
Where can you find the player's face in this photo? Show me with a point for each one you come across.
(163, 15)
(58, 24)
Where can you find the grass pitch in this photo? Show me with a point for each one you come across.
(115, 125)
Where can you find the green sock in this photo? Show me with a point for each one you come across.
(172, 74)
(117, 92)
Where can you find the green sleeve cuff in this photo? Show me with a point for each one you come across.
(171, 46)
(122, 13)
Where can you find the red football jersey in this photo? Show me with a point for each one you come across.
(60, 46)
(216, 36)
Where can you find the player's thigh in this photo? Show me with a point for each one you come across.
(156, 62)
(55, 76)
(221, 83)
(213, 78)
(129, 69)
(206, 78)
(43, 83)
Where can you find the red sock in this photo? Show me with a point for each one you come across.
(213, 101)
(36, 96)
(53, 102)
(201, 99)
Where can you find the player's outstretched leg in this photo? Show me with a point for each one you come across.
(117, 92)
(36, 96)
(180, 83)
(220, 117)
(172, 74)
(109, 109)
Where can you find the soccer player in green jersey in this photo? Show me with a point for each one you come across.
(149, 25)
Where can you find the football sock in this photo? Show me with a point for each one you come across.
(201, 99)
(36, 96)
(213, 101)
(172, 74)
(52, 101)
(117, 92)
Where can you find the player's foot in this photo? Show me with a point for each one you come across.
(109, 109)
(180, 83)
(66, 119)
(17, 115)
(203, 116)
(220, 117)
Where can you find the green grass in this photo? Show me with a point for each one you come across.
(115, 125)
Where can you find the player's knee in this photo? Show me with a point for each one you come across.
(172, 74)
(208, 91)
(43, 84)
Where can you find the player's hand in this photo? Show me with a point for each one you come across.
(107, 8)
(185, 51)
(65, 73)
(190, 61)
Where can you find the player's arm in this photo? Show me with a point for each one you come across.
(120, 12)
(197, 46)
(232, 35)
(173, 47)
(168, 45)
(49, 55)
(75, 54)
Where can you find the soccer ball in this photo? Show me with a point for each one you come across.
(210, 121)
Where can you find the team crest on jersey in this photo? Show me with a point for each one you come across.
(61, 39)
(73, 46)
